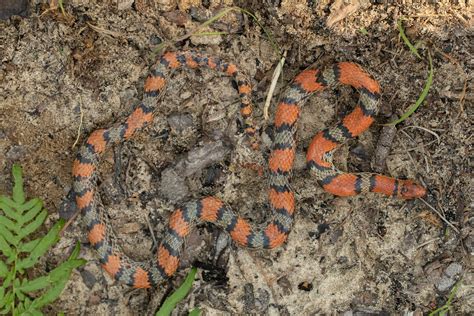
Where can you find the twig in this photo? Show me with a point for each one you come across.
(80, 124)
(276, 75)
(427, 242)
(216, 17)
(104, 31)
(441, 216)
(424, 129)
(151, 230)
(406, 149)
(462, 98)
(69, 222)
(438, 139)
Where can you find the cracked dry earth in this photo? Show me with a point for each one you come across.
(364, 255)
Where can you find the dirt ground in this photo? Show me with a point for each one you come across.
(61, 75)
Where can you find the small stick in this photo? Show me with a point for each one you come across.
(276, 75)
(441, 216)
(80, 124)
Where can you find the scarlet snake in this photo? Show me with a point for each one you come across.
(211, 209)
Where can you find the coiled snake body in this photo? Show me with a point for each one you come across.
(212, 209)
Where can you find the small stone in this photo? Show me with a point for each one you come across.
(68, 206)
(453, 269)
(129, 228)
(165, 5)
(16, 152)
(180, 122)
(94, 299)
(450, 277)
(203, 156)
(183, 5)
(211, 175)
(88, 278)
(285, 284)
(445, 284)
(185, 95)
(13, 7)
(177, 17)
(173, 185)
(124, 4)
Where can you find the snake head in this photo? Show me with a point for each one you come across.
(411, 190)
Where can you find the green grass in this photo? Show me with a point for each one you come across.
(405, 39)
(421, 97)
(364, 31)
(443, 310)
(218, 16)
(428, 83)
(178, 295)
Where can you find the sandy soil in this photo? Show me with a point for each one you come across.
(361, 255)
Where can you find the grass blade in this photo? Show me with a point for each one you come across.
(213, 19)
(210, 33)
(406, 40)
(421, 98)
(195, 312)
(178, 295)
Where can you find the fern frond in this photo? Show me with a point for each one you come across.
(19, 220)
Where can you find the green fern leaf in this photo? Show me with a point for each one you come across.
(19, 219)
(12, 240)
(8, 210)
(3, 269)
(34, 285)
(33, 226)
(18, 193)
(8, 280)
(6, 303)
(59, 276)
(7, 223)
(43, 245)
(5, 248)
(29, 246)
(32, 211)
(28, 205)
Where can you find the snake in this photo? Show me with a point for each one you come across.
(163, 265)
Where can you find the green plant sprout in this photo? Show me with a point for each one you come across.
(443, 310)
(178, 296)
(428, 83)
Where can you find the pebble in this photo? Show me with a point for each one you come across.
(203, 156)
(13, 7)
(180, 122)
(16, 152)
(88, 278)
(173, 186)
(124, 4)
(449, 277)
